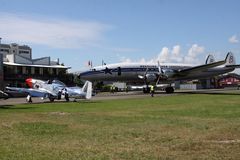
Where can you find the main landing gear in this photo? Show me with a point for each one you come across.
(169, 90)
(146, 89)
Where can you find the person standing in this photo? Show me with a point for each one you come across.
(152, 90)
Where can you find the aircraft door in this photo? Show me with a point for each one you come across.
(119, 71)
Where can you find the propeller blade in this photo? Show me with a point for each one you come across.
(140, 76)
(145, 72)
(160, 71)
(160, 68)
(158, 79)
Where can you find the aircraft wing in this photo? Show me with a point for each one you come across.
(199, 68)
(31, 91)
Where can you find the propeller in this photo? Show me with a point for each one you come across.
(161, 73)
(144, 77)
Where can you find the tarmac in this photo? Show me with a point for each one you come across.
(126, 95)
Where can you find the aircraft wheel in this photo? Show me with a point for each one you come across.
(51, 99)
(59, 95)
(146, 90)
(169, 90)
(66, 97)
(29, 99)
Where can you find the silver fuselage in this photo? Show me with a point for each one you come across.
(130, 72)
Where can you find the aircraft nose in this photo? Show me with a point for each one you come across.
(81, 75)
(85, 75)
(29, 82)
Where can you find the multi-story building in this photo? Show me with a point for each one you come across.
(17, 64)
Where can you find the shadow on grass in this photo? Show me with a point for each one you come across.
(15, 108)
(90, 102)
(210, 92)
(65, 102)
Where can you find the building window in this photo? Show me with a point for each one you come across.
(23, 52)
(19, 70)
(28, 70)
(5, 50)
(45, 71)
(9, 70)
(37, 70)
(54, 71)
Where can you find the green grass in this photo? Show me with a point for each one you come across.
(173, 127)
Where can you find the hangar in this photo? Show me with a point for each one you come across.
(229, 80)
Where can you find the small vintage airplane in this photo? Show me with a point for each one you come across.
(165, 73)
(54, 89)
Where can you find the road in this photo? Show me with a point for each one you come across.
(124, 95)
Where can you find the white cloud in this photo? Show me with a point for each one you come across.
(233, 39)
(176, 50)
(193, 52)
(164, 55)
(55, 33)
(167, 55)
(174, 55)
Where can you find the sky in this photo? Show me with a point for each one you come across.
(113, 31)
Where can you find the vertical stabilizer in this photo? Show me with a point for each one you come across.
(87, 88)
(210, 59)
(230, 59)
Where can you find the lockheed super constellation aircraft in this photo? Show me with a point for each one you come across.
(53, 90)
(164, 73)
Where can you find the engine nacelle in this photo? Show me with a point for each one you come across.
(168, 73)
(151, 77)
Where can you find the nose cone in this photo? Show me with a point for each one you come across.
(29, 82)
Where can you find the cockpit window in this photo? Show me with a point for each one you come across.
(58, 82)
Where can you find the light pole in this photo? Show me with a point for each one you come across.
(0, 43)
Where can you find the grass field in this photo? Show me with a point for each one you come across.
(174, 127)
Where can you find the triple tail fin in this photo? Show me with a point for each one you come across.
(230, 59)
(210, 59)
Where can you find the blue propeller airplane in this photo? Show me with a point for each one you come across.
(54, 89)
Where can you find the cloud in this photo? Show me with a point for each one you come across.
(164, 55)
(193, 52)
(173, 55)
(57, 33)
(168, 55)
(233, 39)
